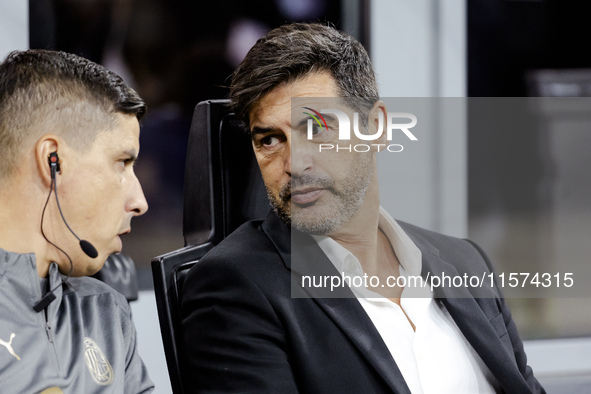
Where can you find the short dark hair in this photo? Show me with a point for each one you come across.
(49, 91)
(295, 50)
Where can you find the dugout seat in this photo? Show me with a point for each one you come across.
(223, 188)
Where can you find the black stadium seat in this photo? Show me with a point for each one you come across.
(119, 273)
(223, 189)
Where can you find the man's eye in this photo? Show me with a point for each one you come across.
(269, 141)
(126, 162)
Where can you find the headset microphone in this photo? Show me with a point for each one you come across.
(86, 246)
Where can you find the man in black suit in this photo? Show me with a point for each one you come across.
(254, 320)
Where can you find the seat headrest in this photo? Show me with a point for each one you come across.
(223, 183)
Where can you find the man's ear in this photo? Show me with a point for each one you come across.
(378, 116)
(46, 145)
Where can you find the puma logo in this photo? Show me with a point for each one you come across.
(8, 346)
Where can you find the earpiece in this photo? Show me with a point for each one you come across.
(54, 162)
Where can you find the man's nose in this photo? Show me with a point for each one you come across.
(137, 201)
(300, 156)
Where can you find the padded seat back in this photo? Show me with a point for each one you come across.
(223, 189)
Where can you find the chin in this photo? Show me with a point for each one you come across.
(93, 269)
(318, 223)
(91, 266)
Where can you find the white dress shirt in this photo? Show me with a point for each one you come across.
(434, 358)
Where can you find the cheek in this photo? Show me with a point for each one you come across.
(272, 181)
(339, 166)
(272, 170)
(105, 195)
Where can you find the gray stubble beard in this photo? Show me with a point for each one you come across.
(349, 198)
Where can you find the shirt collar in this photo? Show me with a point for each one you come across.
(408, 254)
(20, 270)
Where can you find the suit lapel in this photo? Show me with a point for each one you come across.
(302, 256)
(471, 319)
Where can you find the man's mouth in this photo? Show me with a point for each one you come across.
(127, 231)
(306, 195)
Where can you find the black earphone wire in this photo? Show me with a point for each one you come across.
(60, 209)
(53, 187)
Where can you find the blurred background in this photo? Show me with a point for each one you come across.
(523, 192)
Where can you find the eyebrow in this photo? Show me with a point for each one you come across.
(265, 130)
(131, 153)
(260, 130)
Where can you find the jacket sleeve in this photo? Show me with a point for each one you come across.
(519, 352)
(232, 340)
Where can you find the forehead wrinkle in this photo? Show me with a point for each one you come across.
(275, 108)
(269, 119)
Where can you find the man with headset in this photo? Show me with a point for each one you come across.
(250, 322)
(69, 132)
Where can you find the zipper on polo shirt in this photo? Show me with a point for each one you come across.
(50, 338)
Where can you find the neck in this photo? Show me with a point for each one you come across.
(21, 209)
(362, 237)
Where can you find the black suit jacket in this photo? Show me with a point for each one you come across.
(243, 332)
